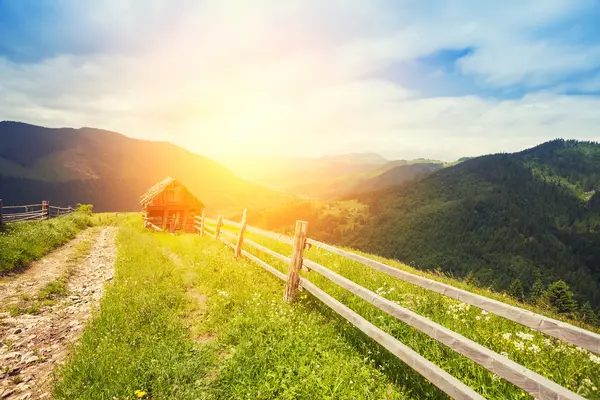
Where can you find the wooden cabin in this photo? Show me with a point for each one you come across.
(169, 205)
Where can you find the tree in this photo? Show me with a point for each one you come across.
(587, 313)
(537, 291)
(516, 289)
(560, 297)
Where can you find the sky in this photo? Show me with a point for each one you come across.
(440, 79)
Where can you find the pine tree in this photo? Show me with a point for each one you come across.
(516, 289)
(537, 291)
(560, 297)
(587, 313)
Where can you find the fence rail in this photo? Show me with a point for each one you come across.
(531, 382)
(31, 212)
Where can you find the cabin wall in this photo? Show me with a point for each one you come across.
(172, 201)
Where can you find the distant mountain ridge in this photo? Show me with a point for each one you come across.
(110, 170)
(332, 177)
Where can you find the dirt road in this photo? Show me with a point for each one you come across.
(36, 333)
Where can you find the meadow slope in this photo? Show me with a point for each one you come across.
(184, 320)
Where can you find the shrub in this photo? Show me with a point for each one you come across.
(537, 291)
(560, 297)
(516, 289)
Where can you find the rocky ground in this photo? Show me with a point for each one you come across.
(36, 336)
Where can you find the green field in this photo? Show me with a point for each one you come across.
(184, 320)
(24, 242)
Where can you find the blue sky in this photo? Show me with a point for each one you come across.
(440, 79)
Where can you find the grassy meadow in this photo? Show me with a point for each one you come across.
(184, 320)
(570, 366)
(24, 242)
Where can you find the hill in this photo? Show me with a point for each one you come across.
(331, 177)
(396, 175)
(529, 215)
(111, 170)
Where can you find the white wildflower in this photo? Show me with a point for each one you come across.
(506, 336)
(487, 318)
(525, 336)
(594, 359)
(533, 348)
(222, 293)
(484, 312)
(547, 342)
(520, 345)
(478, 318)
(505, 354)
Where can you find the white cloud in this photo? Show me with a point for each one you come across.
(302, 77)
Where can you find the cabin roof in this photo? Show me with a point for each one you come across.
(159, 188)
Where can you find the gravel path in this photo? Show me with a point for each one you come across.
(33, 344)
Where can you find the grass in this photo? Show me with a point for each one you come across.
(199, 325)
(53, 290)
(23, 242)
(570, 366)
(183, 320)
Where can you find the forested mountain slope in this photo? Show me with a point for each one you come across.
(396, 176)
(528, 215)
(110, 170)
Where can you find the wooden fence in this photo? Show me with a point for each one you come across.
(531, 382)
(31, 212)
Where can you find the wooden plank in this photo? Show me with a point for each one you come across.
(29, 218)
(202, 224)
(440, 378)
(272, 235)
(558, 329)
(25, 214)
(212, 221)
(240, 238)
(228, 234)
(534, 384)
(156, 228)
(295, 265)
(268, 251)
(219, 224)
(210, 229)
(263, 264)
(233, 223)
(25, 206)
(8, 217)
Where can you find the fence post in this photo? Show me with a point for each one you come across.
(45, 214)
(218, 228)
(202, 224)
(240, 241)
(1, 205)
(291, 287)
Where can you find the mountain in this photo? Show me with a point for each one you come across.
(496, 218)
(331, 177)
(111, 171)
(396, 175)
